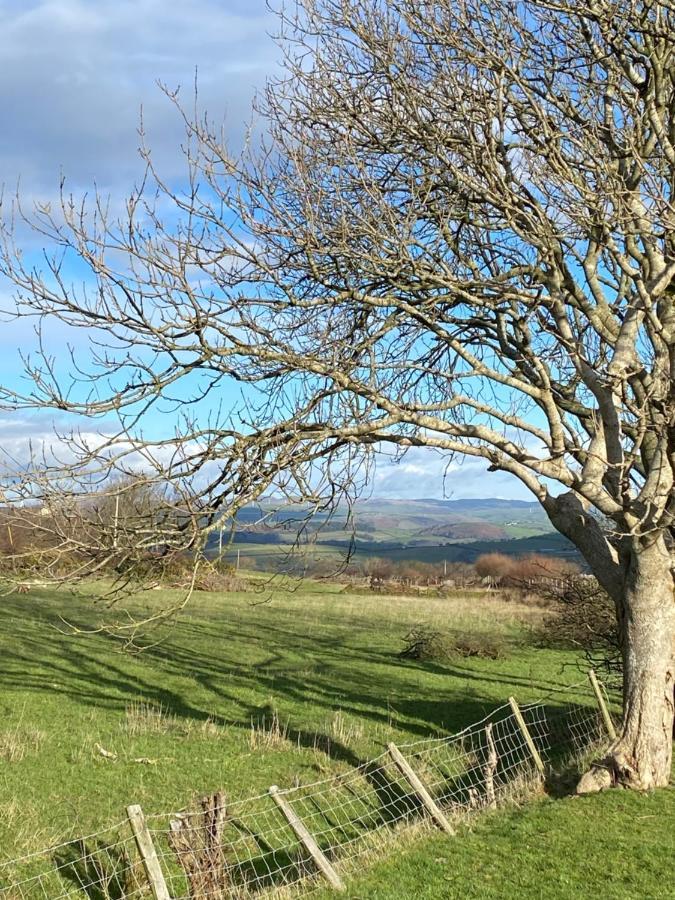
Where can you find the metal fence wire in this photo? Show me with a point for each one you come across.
(282, 841)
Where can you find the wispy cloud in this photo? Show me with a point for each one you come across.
(75, 75)
(422, 472)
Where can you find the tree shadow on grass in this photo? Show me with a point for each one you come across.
(381, 800)
(371, 797)
(326, 672)
(339, 677)
(101, 871)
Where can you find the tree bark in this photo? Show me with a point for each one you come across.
(641, 756)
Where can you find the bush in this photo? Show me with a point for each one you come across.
(536, 567)
(176, 570)
(483, 646)
(426, 644)
(494, 565)
(213, 578)
(519, 570)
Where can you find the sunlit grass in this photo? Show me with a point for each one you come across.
(614, 846)
(278, 685)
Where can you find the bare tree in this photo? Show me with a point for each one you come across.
(61, 526)
(456, 233)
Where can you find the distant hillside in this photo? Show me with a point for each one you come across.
(475, 504)
(468, 531)
(550, 544)
(427, 530)
(404, 521)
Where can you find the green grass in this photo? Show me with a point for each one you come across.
(290, 686)
(199, 704)
(613, 846)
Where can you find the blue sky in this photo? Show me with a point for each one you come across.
(74, 76)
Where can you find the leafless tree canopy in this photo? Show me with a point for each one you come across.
(456, 233)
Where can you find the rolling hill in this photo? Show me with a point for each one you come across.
(427, 530)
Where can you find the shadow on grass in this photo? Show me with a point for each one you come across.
(211, 662)
(325, 671)
(379, 803)
(99, 870)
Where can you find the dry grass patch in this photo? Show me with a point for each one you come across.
(268, 733)
(18, 742)
(209, 729)
(343, 729)
(145, 717)
(472, 610)
(25, 821)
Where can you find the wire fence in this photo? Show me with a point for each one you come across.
(284, 840)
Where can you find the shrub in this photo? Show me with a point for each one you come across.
(176, 570)
(518, 570)
(427, 644)
(379, 571)
(483, 646)
(536, 567)
(210, 578)
(494, 565)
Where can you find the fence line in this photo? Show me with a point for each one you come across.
(283, 840)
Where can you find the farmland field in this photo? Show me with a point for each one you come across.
(247, 689)
(274, 555)
(429, 531)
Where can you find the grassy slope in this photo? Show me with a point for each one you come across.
(324, 662)
(614, 846)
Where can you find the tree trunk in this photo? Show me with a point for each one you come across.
(641, 756)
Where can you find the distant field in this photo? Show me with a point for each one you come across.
(197, 708)
(274, 555)
(416, 527)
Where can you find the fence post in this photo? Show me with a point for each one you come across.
(609, 725)
(303, 835)
(526, 734)
(420, 788)
(146, 848)
(491, 763)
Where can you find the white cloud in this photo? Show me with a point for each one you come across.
(421, 473)
(424, 472)
(75, 74)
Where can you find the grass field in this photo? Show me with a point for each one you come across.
(613, 846)
(274, 555)
(246, 690)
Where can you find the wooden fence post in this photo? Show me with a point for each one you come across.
(609, 725)
(526, 734)
(146, 848)
(491, 763)
(420, 789)
(305, 838)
